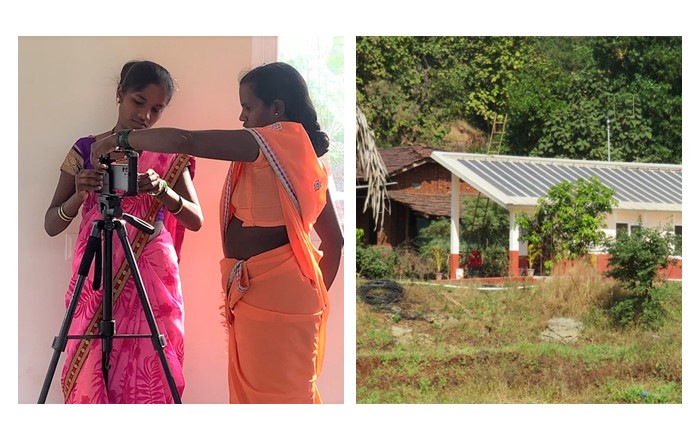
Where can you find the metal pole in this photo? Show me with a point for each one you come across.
(608, 138)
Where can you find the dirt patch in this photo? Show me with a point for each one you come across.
(512, 369)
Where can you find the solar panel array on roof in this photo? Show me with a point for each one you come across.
(521, 180)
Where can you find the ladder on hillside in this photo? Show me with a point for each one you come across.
(498, 130)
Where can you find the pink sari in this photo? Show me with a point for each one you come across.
(136, 374)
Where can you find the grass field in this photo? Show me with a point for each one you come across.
(442, 344)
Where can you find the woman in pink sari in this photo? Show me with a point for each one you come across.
(167, 200)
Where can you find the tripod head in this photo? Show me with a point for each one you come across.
(111, 209)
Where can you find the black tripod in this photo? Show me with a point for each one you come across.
(110, 207)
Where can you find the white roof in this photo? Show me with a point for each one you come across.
(517, 182)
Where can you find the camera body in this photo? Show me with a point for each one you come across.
(121, 176)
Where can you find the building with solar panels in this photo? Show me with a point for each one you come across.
(650, 193)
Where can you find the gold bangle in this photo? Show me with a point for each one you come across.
(62, 214)
(181, 204)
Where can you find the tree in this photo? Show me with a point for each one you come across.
(567, 222)
(413, 88)
(559, 105)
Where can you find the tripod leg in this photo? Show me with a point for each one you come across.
(157, 339)
(107, 325)
(60, 341)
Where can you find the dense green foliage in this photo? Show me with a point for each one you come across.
(558, 92)
(495, 261)
(483, 226)
(567, 222)
(635, 262)
(369, 261)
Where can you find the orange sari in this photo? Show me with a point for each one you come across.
(276, 302)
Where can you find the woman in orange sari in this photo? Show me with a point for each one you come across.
(166, 199)
(274, 279)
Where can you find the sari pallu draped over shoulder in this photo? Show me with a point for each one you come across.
(136, 374)
(276, 302)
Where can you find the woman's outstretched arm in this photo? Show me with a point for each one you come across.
(228, 145)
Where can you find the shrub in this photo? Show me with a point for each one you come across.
(437, 251)
(496, 262)
(359, 237)
(635, 260)
(409, 264)
(566, 223)
(372, 262)
(548, 265)
(648, 310)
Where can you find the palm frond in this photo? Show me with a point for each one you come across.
(371, 166)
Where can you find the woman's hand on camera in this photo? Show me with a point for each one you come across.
(148, 182)
(87, 181)
(102, 148)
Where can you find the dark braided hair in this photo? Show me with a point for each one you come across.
(137, 75)
(282, 81)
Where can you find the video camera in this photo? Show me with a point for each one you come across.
(121, 176)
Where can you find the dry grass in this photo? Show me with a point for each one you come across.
(571, 293)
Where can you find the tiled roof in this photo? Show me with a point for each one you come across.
(429, 205)
(397, 159)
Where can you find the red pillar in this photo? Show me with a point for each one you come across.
(454, 264)
(513, 258)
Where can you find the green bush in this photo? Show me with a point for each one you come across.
(437, 252)
(548, 265)
(635, 260)
(566, 223)
(372, 263)
(359, 237)
(648, 310)
(626, 309)
(495, 260)
(655, 308)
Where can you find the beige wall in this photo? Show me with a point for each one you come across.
(650, 219)
(67, 90)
